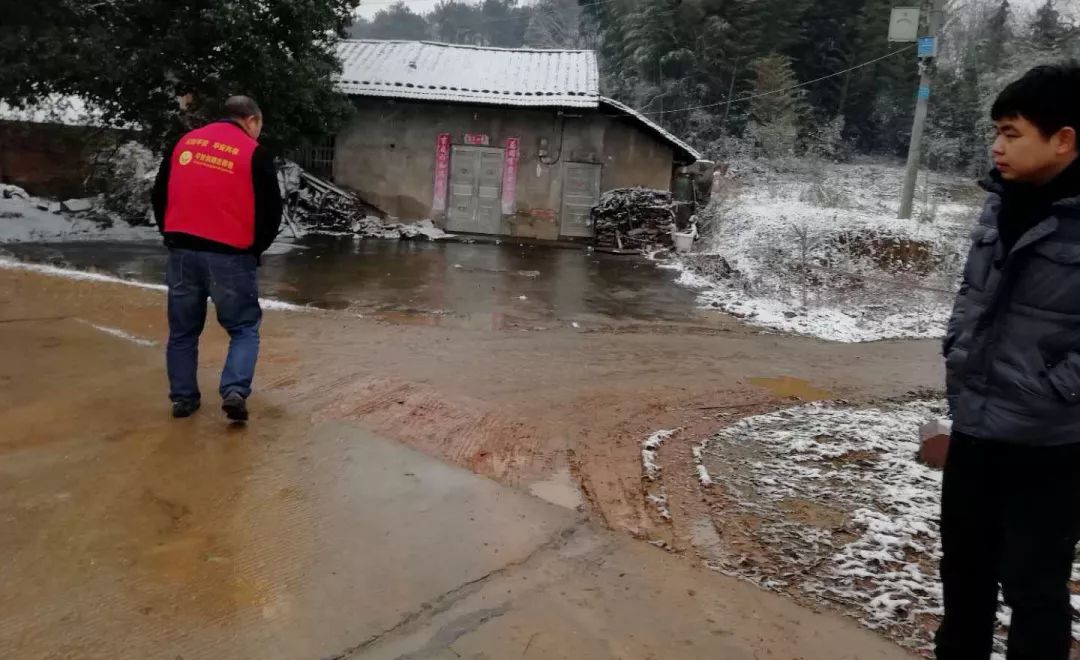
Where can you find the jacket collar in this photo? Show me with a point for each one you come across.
(234, 123)
(1037, 233)
(1063, 193)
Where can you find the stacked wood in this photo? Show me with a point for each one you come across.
(633, 219)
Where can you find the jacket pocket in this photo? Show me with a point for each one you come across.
(1050, 279)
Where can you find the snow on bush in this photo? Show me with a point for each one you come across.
(125, 177)
(818, 250)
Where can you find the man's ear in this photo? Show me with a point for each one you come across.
(1067, 140)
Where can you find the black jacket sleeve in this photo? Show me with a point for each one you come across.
(160, 196)
(267, 200)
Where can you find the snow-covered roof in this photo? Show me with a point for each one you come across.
(442, 72)
(688, 152)
(471, 74)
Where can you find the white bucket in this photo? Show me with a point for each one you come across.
(683, 242)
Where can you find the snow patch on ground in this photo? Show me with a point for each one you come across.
(823, 254)
(372, 227)
(116, 332)
(841, 511)
(86, 276)
(656, 494)
(649, 449)
(424, 228)
(22, 220)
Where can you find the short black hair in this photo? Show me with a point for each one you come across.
(1047, 96)
(242, 107)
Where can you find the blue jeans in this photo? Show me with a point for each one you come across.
(229, 280)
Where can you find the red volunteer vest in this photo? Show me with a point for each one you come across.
(211, 194)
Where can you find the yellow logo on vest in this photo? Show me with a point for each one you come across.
(185, 158)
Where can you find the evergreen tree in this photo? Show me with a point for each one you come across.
(134, 59)
(998, 36)
(455, 22)
(1047, 30)
(828, 46)
(503, 23)
(396, 22)
(554, 24)
(881, 98)
(617, 77)
(775, 111)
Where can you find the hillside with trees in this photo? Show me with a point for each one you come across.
(699, 66)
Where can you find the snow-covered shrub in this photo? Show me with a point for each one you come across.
(124, 176)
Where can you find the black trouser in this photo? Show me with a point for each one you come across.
(1010, 514)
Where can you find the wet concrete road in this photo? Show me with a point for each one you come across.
(431, 283)
(127, 535)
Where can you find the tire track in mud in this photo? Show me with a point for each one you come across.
(693, 506)
(606, 458)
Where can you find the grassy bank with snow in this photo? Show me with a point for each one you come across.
(817, 249)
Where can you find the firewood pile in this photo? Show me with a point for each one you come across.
(633, 219)
(316, 205)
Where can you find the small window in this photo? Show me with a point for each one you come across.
(318, 159)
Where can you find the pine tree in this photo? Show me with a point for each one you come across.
(554, 24)
(998, 36)
(617, 78)
(1047, 30)
(776, 110)
(828, 46)
(777, 25)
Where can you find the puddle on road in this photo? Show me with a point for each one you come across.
(787, 387)
(559, 489)
(490, 287)
(494, 321)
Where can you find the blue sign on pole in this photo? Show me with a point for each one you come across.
(927, 46)
(924, 92)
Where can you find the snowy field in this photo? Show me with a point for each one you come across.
(827, 503)
(820, 251)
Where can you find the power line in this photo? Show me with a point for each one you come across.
(785, 89)
(498, 20)
(382, 3)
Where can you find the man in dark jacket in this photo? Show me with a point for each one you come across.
(217, 204)
(1011, 492)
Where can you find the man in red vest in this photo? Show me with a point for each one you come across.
(218, 206)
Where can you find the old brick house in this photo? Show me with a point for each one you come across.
(491, 141)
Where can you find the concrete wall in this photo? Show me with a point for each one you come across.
(387, 154)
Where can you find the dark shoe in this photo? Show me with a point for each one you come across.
(184, 408)
(235, 407)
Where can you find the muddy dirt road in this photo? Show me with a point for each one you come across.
(106, 485)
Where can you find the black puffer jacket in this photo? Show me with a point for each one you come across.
(1012, 350)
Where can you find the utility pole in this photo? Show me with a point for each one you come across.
(928, 47)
